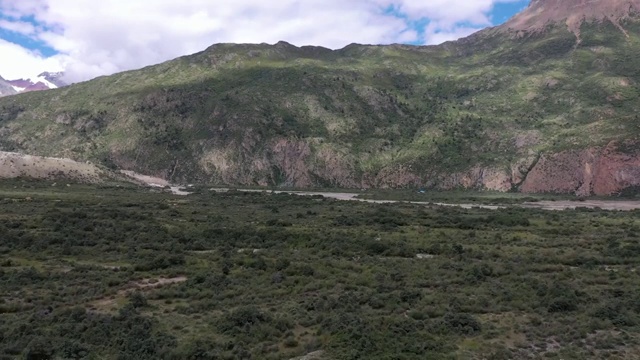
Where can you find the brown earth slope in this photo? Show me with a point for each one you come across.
(541, 13)
(13, 165)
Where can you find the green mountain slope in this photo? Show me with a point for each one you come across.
(533, 111)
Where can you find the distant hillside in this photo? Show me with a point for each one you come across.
(44, 81)
(6, 88)
(524, 109)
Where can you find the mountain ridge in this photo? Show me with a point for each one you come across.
(537, 113)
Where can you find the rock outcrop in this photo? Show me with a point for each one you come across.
(595, 171)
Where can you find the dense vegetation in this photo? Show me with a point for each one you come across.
(359, 114)
(117, 272)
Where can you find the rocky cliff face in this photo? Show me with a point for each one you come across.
(595, 171)
(605, 170)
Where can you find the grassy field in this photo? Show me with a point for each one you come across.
(119, 272)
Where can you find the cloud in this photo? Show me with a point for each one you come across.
(102, 37)
(20, 27)
(17, 62)
(447, 19)
(446, 11)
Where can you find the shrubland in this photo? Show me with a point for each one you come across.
(119, 272)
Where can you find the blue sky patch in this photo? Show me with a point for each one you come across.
(504, 11)
(500, 13)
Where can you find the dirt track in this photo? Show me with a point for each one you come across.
(614, 205)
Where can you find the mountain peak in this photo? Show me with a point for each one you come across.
(43, 81)
(541, 13)
(54, 78)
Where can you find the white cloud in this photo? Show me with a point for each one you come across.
(20, 27)
(448, 19)
(103, 37)
(17, 62)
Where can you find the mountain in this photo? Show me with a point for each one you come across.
(544, 103)
(54, 78)
(44, 81)
(573, 13)
(6, 88)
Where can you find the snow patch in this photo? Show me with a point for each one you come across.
(43, 80)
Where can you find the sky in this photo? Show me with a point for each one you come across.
(89, 38)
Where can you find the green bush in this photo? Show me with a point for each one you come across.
(461, 323)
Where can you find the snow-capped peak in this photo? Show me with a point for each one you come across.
(43, 81)
(54, 78)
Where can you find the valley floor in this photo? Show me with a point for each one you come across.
(117, 271)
